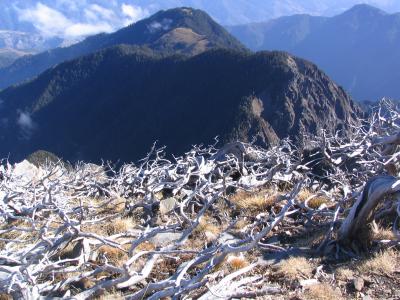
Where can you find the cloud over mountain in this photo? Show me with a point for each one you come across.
(52, 20)
(72, 18)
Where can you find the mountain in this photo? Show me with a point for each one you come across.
(236, 12)
(24, 15)
(180, 30)
(28, 42)
(359, 49)
(115, 103)
(8, 56)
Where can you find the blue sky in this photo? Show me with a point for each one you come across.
(71, 19)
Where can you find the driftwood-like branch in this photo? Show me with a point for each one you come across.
(143, 230)
(375, 190)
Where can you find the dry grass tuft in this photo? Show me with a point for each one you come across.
(67, 252)
(241, 224)
(111, 295)
(115, 256)
(382, 263)
(237, 262)
(316, 200)
(295, 267)
(206, 231)
(304, 195)
(322, 292)
(5, 297)
(206, 225)
(107, 205)
(311, 238)
(119, 226)
(379, 233)
(145, 246)
(255, 201)
(344, 274)
(14, 234)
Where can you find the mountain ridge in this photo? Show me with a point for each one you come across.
(356, 50)
(105, 106)
(147, 32)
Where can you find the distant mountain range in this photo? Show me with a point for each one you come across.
(14, 44)
(8, 56)
(28, 42)
(113, 13)
(114, 103)
(359, 49)
(185, 31)
(234, 12)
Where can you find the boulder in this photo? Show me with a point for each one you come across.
(27, 172)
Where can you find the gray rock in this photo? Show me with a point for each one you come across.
(164, 239)
(358, 283)
(308, 282)
(167, 205)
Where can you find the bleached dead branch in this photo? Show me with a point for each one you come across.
(143, 229)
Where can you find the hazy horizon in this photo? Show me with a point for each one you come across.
(70, 19)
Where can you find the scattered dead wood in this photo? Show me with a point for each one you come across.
(197, 225)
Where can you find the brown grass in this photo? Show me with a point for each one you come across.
(111, 295)
(115, 256)
(67, 252)
(382, 263)
(5, 297)
(237, 262)
(111, 227)
(344, 274)
(206, 224)
(322, 292)
(315, 202)
(106, 205)
(379, 233)
(15, 234)
(241, 224)
(311, 238)
(295, 268)
(145, 246)
(119, 226)
(255, 201)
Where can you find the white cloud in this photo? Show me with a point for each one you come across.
(133, 13)
(48, 21)
(164, 25)
(71, 5)
(26, 125)
(92, 19)
(84, 29)
(25, 121)
(102, 12)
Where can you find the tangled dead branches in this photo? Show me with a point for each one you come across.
(187, 227)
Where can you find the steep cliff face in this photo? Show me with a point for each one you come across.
(115, 103)
(310, 100)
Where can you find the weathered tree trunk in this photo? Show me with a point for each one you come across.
(361, 213)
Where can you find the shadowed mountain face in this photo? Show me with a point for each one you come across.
(180, 30)
(359, 49)
(115, 103)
